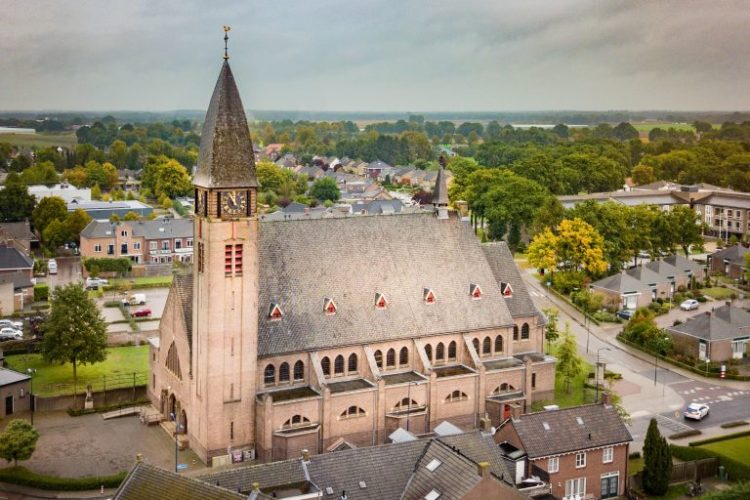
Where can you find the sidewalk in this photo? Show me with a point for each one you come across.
(28, 492)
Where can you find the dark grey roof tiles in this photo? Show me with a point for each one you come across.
(8, 376)
(17, 231)
(270, 475)
(724, 322)
(734, 254)
(226, 157)
(12, 258)
(147, 482)
(505, 270)
(149, 229)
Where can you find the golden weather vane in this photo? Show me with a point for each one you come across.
(227, 29)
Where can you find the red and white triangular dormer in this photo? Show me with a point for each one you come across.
(429, 296)
(506, 290)
(475, 291)
(380, 301)
(329, 307)
(274, 312)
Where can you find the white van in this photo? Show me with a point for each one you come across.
(52, 266)
(135, 299)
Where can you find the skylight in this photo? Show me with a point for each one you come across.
(579, 420)
(545, 425)
(434, 464)
(362, 485)
(433, 495)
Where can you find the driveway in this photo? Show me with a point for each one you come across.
(676, 313)
(68, 271)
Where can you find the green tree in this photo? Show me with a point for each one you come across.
(16, 204)
(569, 363)
(18, 441)
(643, 174)
(56, 234)
(41, 173)
(325, 188)
(172, 179)
(657, 461)
(685, 227)
(542, 251)
(75, 331)
(75, 222)
(47, 210)
(132, 216)
(96, 192)
(625, 132)
(551, 330)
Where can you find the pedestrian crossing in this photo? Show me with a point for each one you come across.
(534, 293)
(696, 395)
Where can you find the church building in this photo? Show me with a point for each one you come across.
(331, 333)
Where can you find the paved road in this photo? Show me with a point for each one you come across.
(68, 270)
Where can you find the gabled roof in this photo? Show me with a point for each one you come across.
(621, 283)
(504, 270)
(226, 157)
(17, 231)
(146, 482)
(734, 254)
(148, 229)
(11, 258)
(683, 264)
(600, 425)
(645, 275)
(8, 376)
(724, 322)
(664, 269)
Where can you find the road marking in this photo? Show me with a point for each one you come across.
(671, 424)
(725, 398)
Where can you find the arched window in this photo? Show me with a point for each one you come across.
(269, 375)
(504, 387)
(452, 350)
(440, 352)
(295, 421)
(353, 363)
(428, 351)
(525, 331)
(515, 332)
(456, 396)
(173, 361)
(325, 364)
(299, 370)
(390, 358)
(475, 343)
(403, 356)
(487, 346)
(284, 372)
(379, 358)
(499, 343)
(338, 365)
(406, 403)
(353, 411)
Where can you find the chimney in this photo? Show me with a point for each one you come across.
(483, 469)
(305, 455)
(606, 398)
(515, 411)
(307, 210)
(256, 486)
(139, 457)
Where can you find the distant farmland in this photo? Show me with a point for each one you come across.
(40, 140)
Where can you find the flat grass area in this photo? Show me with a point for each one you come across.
(737, 449)
(718, 293)
(145, 281)
(635, 465)
(647, 126)
(578, 394)
(57, 379)
(41, 140)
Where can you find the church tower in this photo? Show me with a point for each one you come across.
(225, 279)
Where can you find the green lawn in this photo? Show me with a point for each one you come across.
(635, 465)
(145, 281)
(718, 293)
(41, 140)
(647, 126)
(49, 380)
(737, 449)
(578, 394)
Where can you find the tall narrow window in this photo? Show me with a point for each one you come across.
(201, 258)
(325, 364)
(452, 351)
(299, 371)
(428, 351)
(440, 352)
(487, 346)
(238, 260)
(228, 260)
(525, 331)
(284, 372)
(269, 375)
(352, 363)
(390, 359)
(338, 365)
(515, 332)
(499, 343)
(475, 343)
(231, 430)
(379, 358)
(403, 357)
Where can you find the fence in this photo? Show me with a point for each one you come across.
(683, 472)
(99, 384)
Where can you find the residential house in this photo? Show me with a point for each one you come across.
(582, 452)
(16, 266)
(104, 210)
(629, 291)
(20, 235)
(718, 335)
(729, 261)
(14, 392)
(158, 241)
(378, 169)
(687, 266)
(16, 290)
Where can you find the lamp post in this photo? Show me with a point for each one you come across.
(31, 372)
(588, 329)
(656, 354)
(597, 370)
(177, 427)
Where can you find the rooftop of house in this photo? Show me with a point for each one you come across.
(622, 283)
(12, 259)
(148, 229)
(107, 205)
(20, 279)
(555, 432)
(734, 254)
(145, 482)
(722, 323)
(17, 231)
(8, 376)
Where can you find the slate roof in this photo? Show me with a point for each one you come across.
(226, 157)
(12, 258)
(684, 264)
(734, 254)
(388, 471)
(147, 482)
(724, 322)
(645, 275)
(505, 270)
(17, 231)
(620, 282)
(664, 269)
(149, 229)
(399, 256)
(8, 376)
(602, 426)
(20, 279)
(440, 194)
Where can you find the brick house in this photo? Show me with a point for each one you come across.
(16, 279)
(14, 392)
(158, 241)
(582, 452)
(730, 261)
(19, 235)
(718, 335)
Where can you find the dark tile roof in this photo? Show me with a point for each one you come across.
(505, 270)
(724, 322)
(8, 376)
(20, 279)
(268, 476)
(149, 229)
(602, 426)
(440, 193)
(147, 482)
(734, 254)
(226, 157)
(684, 264)
(357, 257)
(622, 283)
(12, 258)
(17, 231)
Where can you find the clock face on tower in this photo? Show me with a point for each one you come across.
(234, 202)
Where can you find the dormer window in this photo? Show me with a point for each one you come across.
(506, 290)
(429, 296)
(329, 307)
(275, 313)
(380, 301)
(475, 291)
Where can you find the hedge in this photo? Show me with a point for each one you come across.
(736, 470)
(41, 292)
(720, 438)
(119, 266)
(24, 477)
(737, 423)
(684, 434)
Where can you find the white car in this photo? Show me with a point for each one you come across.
(10, 334)
(95, 283)
(689, 305)
(6, 323)
(52, 266)
(696, 411)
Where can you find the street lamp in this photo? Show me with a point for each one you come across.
(31, 372)
(177, 428)
(656, 354)
(597, 370)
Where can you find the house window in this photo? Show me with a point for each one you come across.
(525, 331)
(165, 245)
(499, 343)
(390, 358)
(428, 351)
(553, 465)
(608, 455)
(403, 356)
(580, 460)
(575, 487)
(352, 412)
(189, 242)
(136, 246)
(177, 244)
(152, 245)
(440, 352)
(123, 249)
(231, 430)
(97, 248)
(452, 351)
(269, 375)
(610, 485)
(299, 371)
(124, 234)
(284, 372)
(533, 380)
(338, 365)
(110, 249)
(515, 332)
(352, 363)
(487, 346)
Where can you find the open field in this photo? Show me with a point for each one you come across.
(120, 362)
(647, 126)
(144, 281)
(41, 140)
(737, 449)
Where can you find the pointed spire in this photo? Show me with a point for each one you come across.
(440, 193)
(226, 157)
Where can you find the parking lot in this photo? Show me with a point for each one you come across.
(156, 299)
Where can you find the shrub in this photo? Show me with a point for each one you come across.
(736, 423)
(716, 439)
(634, 455)
(119, 266)
(41, 292)
(567, 281)
(684, 434)
(606, 317)
(701, 299)
(735, 469)
(25, 477)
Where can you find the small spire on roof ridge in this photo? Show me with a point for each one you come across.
(227, 29)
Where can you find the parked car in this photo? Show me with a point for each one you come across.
(696, 411)
(142, 313)
(689, 305)
(10, 334)
(137, 299)
(7, 323)
(95, 283)
(626, 314)
(52, 266)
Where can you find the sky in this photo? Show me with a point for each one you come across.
(370, 55)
